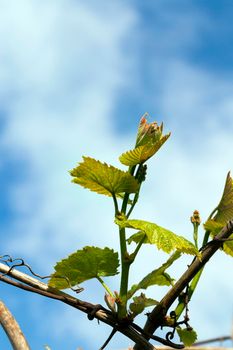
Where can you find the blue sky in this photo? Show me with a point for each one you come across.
(75, 78)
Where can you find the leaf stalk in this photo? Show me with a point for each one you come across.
(108, 290)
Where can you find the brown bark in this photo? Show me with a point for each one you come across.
(12, 329)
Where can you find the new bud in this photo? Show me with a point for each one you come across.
(110, 301)
(195, 219)
(148, 132)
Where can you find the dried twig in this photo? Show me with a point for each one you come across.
(12, 329)
(213, 340)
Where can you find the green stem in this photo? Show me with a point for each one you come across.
(195, 234)
(207, 233)
(194, 283)
(132, 169)
(138, 248)
(105, 286)
(125, 203)
(181, 305)
(125, 264)
(115, 204)
(212, 213)
(122, 305)
(136, 196)
(126, 197)
(133, 204)
(206, 238)
(125, 259)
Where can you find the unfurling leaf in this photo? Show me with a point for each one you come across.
(228, 246)
(161, 237)
(140, 303)
(156, 277)
(148, 133)
(141, 154)
(187, 336)
(137, 237)
(110, 301)
(149, 140)
(90, 262)
(102, 178)
(214, 228)
(225, 207)
(224, 213)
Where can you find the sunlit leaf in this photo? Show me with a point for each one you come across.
(102, 178)
(187, 336)
(137, 237)
(148, 132)
(110, 300)
(156, 277)
(214, 228)
(142, 153)
(224, 213)
(225, 207)
(161, 237)
(90, 262)
(140, 303)
(228, 246)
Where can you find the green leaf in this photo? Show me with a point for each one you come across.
(225, 207)
(148, 132)
(228, 246)
(137, 237)
(140, 303)
(142, 153)
(90, 262)
(161, 237)
(187, 336)
(224, 213)
(214, 228)
(102, 178)
(156, 277)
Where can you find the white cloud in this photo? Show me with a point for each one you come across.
(198, 99)
(62, 69)
(64, 77)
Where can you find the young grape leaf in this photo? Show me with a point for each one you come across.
(161, 237)
(224, 213)
(228, 246)
(156, 277)
(187, 336)
(142, 153)
(148, 132)
(214, 228)
(90, 262)
(140, 303)
(102, 178)
(225, 207)
(137, 237)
